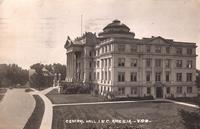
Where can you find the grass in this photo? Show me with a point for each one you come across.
(164, 115)
(57, 98)
(35, 120)
(191, 100)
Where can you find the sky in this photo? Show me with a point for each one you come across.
(33, 31)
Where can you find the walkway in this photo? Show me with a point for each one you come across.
(15, 109)
(48, 112)
(184, 104)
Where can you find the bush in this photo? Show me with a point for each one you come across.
(75, 89)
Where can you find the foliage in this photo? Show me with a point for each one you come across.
(191, 120)
(39, 80)
(12, 74)
(75, 89)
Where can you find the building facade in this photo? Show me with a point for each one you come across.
(115, 61)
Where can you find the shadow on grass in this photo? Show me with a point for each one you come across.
(35, 120)
(191, 120)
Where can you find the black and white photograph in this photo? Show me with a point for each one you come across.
(99, 64)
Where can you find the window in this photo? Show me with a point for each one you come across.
(189, 77)
(148, 62)
(94, 75)
(168, 90)
(101, 75)
(90, 53)
(90, 76)
(102, 63)
(97, 75)
(148, 48)
(158, 62)
(158, 49)
(97, 64)
(121, 90)
(121, 62)
(90, 64)
(105, 75)
(179, 90)
(158, 77)
(178, 77)
(189, 89)
(179, 51)
(133, 62)
(167, 50)
(133, 48)
(105, 60)
(133, 77)
(102, 50)
(121, 76)
(134, 90)
(109, 62)
(106, 48)
(148, 90)
(189, 64)
(109, 75)
(121, 48)
(109, 47)
(189, 51)
(167, 76)
(148, 76)
(179, 63)
(167, 63)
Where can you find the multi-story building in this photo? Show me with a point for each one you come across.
(115, 61)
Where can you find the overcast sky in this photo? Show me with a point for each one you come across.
(34, 31)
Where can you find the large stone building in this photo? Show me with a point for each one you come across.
(115, 61)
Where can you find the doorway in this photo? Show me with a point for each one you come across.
(159, 92)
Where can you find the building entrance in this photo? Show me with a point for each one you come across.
(159, 92)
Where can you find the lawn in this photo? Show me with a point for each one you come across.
(57, 98)
(163, 115)
(36, 117)
(191, 100)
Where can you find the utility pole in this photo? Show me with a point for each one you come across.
(81, 24)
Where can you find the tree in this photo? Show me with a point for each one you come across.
(12, 74)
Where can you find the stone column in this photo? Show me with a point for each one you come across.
(67, 76)
(70, 65)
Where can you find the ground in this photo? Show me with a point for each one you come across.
(15, 109)
(35, 120)
(57, 98)
(163, 115)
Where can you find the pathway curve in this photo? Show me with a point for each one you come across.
(48, 112)
(15, 109)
